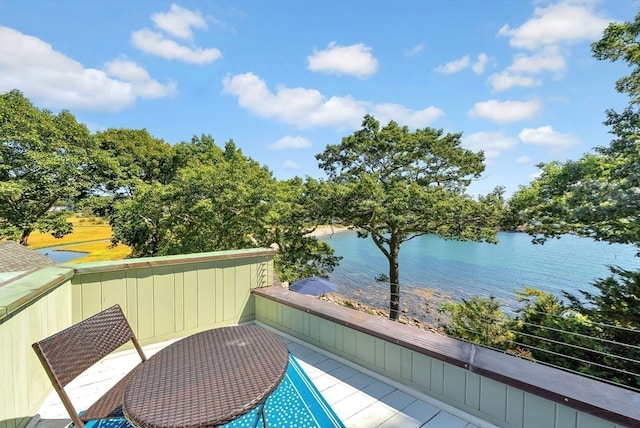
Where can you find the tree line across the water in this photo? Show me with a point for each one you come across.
(390, 183)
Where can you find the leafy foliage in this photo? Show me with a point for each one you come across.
(45, 160)
(220, 200)
(295, 210)
(478, 320)
(394, 185)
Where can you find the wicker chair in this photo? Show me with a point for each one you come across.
(67, 354)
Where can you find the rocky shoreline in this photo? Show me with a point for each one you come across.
(420, 310)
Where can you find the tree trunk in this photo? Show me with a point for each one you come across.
(24, 239)
(394, 279)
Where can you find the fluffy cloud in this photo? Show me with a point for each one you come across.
(507, 80)
(549, 59)
(455, 66)
(177, 23)
(480, 64)
(156, 43)
(57, 81)
(547, 34)
(355, 60)
(291, 143)
(523, 160)
(386, 112)
(492, 143)
(309, 108)
(566, 22)
(524, 67)
(465, 62)
(545, 136)
(505, 111)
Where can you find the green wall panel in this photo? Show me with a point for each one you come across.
(421, 371)
(472, 393)
(515, 406)
(538, 412)
(455, 383)
(493, 398)
(190, 280)
(366, 349)
(392, 362)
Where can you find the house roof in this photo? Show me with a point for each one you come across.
(17, 260)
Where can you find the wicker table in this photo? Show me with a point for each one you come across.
(207, 379)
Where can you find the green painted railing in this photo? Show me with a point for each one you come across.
(163, 298)
(494, 387)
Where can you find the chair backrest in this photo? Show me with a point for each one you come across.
(68, 353)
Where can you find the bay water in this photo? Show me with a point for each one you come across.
(454, 270)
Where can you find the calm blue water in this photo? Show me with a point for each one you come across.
(60, 256)
(457, 270)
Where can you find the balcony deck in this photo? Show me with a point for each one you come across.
(359, 397)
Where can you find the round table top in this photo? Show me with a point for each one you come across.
(207, 379)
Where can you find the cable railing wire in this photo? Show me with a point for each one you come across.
(584, 336)
(381, 299)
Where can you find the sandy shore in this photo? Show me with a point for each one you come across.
(323, 231)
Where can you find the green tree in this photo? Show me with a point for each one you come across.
(395, 185)
(220, 200)
(620, 42)
(46, 160)
(597, 196)
(209, 206)
(296, 209)
(135, 157)
(615, 312)
(478, 320)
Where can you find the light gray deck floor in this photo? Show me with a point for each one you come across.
(360, 398)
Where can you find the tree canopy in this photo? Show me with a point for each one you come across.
(393, 185)
(220, 199)
(46, 160)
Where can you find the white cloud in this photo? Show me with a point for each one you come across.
(156, 44)
(524, 67)
(492, 143)
(178, 22)
(56, 81)
(549, 59)
(506, 80)
(291, 143)
(523, 160)
(305, 108)
(480, 64)
(415, 50)
(505, 111)
(454, 66)
(387, 112)
(142, 84)
(289, 164)
(465, 62)
(308, 108)
(355, 60)
(545, 136)
(565, 22)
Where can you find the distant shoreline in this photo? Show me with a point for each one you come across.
(324, 231)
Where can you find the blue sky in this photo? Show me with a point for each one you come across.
(285, 78)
